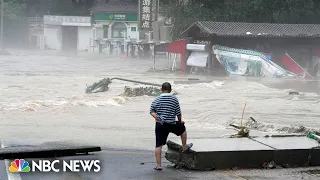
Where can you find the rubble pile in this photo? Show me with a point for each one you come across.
(148, 89)
(100, 86)
(282, 129)
(142, 91)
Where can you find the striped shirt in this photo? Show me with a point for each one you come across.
(167, 108)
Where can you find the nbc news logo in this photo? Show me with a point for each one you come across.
(22, 166)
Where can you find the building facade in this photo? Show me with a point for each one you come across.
(115, 20)
(292, 46)
(67, 33)
(36, 32)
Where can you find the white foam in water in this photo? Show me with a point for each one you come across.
(34, 105)
(212, 85)
(218, 83)
(207, 125)
(182, 86)
(295, 98)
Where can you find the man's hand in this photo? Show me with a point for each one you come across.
(161, 122)
(154, 115)
(182, 122)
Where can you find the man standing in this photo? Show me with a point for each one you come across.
(164, 109)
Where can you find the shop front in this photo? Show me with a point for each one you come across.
(67, 33)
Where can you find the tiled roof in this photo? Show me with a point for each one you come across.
(239, 29)
(115, 7)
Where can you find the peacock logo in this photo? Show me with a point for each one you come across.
(19, 165)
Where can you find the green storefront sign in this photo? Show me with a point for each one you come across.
(115, 17)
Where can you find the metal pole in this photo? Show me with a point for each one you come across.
(1, 35)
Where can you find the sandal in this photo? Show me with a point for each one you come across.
(157, 168)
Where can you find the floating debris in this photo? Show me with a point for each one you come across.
(294, 93)
(266, 127)
(100, 86)
(150, 89)
(142, 91)
(4, 52)
(243, 132)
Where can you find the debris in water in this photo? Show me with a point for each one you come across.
(100, 86)
(287, 129)
(294, 93)
(253, 119)
(103, 86)
(243, 132)
(142, 91)
(4, 52)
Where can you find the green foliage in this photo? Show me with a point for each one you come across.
(13, 10)
(272, 11)
(183, 15)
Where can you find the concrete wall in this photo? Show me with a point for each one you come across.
(161, 32)
(84, 36)
(53, 37)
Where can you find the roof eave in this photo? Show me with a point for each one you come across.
(199, 25)
(128, 12)
(184, 32)
(271, 36)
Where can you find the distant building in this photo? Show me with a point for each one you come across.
(300, 41)
(35, 31)
(115, 20)
(67, 33)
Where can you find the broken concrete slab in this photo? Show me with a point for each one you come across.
(288, 142)
(293, 151)
(225, 153)
(220, 153)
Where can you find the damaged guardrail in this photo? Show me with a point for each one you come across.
(103, 85)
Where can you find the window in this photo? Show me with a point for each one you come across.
(133, 29)
(105, 31)
(119, 30)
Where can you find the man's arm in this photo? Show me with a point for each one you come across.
(153, 111)
(179, 117)
(178, 111)
(154, 115)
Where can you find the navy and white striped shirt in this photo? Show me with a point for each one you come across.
(167, 108)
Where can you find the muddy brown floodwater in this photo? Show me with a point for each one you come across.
(42, 96)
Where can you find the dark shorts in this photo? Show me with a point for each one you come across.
(162, 132)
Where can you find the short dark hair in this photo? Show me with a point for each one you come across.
(166, 86)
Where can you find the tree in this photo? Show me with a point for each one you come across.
(13, 10)
(269, 11)
(184, 13)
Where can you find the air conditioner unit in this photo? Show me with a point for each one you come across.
(42, 41)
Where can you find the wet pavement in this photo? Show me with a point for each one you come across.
(138, 165)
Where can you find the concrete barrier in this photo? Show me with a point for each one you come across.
(228, 153)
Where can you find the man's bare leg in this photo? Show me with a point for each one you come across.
(158, 156)
(184, 140)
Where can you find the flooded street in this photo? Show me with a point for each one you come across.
(43, 97)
